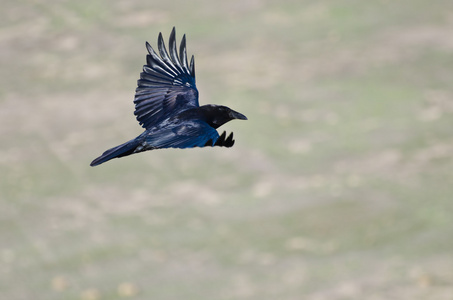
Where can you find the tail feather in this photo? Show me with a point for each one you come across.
(119, 151)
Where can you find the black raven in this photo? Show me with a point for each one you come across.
(166, 105)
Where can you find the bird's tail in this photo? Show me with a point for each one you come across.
(119, 151)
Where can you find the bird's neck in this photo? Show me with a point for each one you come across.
(206, 113)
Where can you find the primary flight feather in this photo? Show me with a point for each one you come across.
(166, 105)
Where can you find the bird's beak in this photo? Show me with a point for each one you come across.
(236, 115)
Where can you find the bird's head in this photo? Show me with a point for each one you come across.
(217, 115)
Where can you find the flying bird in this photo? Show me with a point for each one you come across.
(166, 105)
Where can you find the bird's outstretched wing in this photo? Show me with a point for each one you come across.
(166, 85)
(183, 135)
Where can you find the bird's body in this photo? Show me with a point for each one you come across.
(166, 105)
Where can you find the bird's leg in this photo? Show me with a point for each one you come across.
(222, 142)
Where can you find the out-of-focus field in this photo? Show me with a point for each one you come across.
(340, 185)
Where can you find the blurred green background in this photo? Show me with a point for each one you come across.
(339, 186)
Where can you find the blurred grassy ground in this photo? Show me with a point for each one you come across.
(339, 186)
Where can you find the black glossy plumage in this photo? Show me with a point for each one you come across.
(166, 105)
